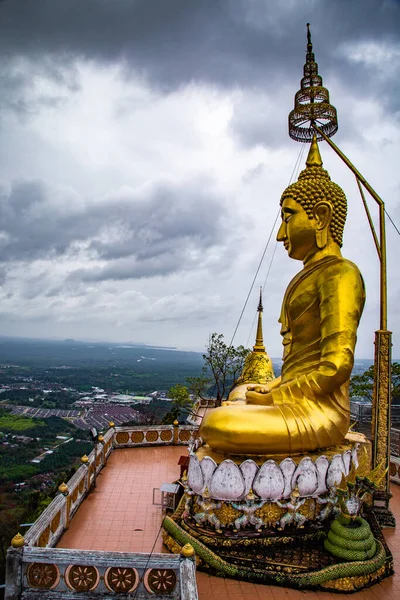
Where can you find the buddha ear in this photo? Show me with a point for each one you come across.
(322, 213)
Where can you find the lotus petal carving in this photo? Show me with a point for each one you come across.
(269, 482)
(321, 464)
(346, 461)
(288, 467)
(249, 469)
(208, 466)
(305, 477)
(227, 482)
(335, 471)
(195, 475)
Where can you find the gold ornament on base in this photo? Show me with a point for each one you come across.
(17, 541)
(63, 489)
(187, 551)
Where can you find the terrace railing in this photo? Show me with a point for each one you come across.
(54, 520)
(57, 573)
(154, 435)
(38, 561)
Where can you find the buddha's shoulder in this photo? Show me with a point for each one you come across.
(338, 262)
(341, 267)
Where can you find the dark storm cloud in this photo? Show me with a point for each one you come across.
(132, 268)
(248, 44)
(172, 42)
(255, 121)
(139, 232)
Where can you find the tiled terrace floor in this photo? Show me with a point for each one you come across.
(119, 515)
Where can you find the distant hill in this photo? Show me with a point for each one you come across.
(69, 352)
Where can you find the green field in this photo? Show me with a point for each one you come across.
(17, 424)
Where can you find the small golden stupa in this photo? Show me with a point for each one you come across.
(258, 368)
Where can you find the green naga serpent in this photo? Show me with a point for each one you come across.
(300, 580)
(350, 538)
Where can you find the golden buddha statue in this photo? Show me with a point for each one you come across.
(307, 408)
(257, 368)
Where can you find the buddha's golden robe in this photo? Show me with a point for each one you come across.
(309, 408)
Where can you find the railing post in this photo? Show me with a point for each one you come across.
(102, 453)
(14, 573)
(176, 433)
(63, 489)
(112, 426)
(85, 462)
(187, 579)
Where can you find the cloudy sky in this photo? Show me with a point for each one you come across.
(144, 149)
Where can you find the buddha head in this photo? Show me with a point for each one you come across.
(313, 210)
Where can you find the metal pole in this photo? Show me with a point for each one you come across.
(371, 224)
(381, 400)
(382, 236)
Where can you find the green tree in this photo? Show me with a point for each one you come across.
(362, 385)
(199, 386)
(10, 520)
(181, 402)
(223, 366)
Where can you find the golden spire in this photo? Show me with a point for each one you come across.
(258, 367)
(314, 157)
(311, 103)
(309, 44)
(259, 345)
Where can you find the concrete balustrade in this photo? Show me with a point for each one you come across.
(39, 570)
(48, 528)
(56, 573)
(154, 435)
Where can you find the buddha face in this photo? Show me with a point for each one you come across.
(297, 231)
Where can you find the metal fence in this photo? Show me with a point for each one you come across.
(361, 412)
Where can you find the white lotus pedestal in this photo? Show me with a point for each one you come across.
(272, 479)
(264, 518)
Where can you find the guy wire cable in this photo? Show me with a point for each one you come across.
(266, 246)
(255, 277)
(392, 222)
(263, 289)
(296, 166)
(148, 559)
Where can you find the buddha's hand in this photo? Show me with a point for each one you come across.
(258, 394)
